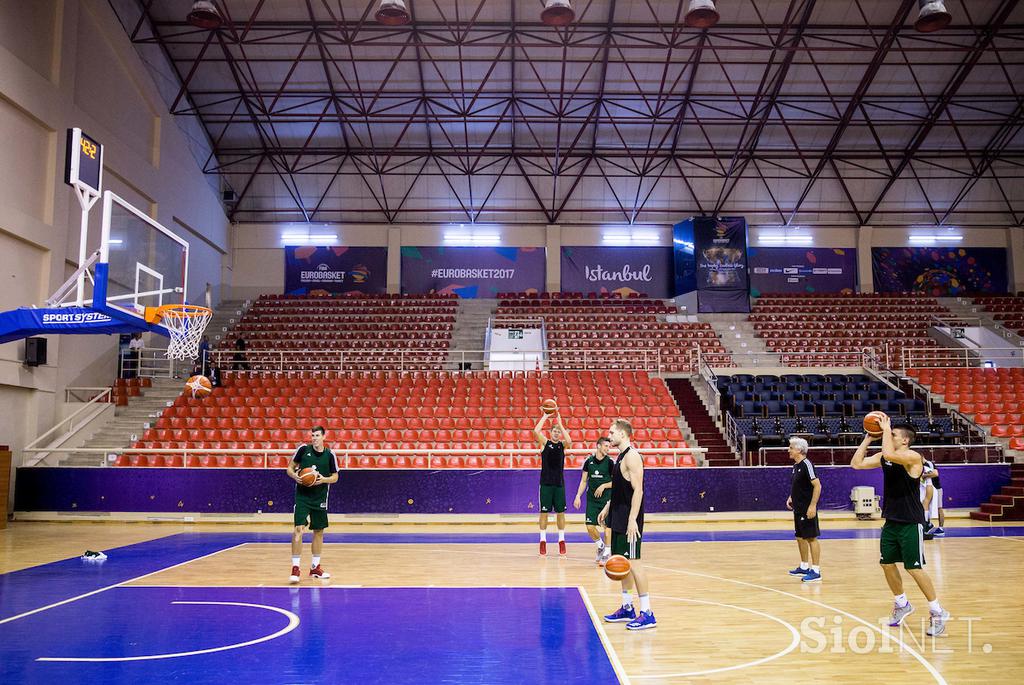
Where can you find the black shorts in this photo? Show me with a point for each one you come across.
(804, 527)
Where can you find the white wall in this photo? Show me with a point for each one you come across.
(67, 63)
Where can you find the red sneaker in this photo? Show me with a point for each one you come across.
(294, 577)
(319, 572)
(543, 548)
(561, 547)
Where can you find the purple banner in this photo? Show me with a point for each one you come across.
(623, 270)
(802, 270)
(940, 271)
(459, 491)
(473, 271)
(312, 270)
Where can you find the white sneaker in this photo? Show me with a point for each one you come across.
(605, 556)
(294, 577)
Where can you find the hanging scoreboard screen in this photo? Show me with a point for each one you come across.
(83, 162)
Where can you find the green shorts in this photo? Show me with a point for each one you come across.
(314, 512)
(902, 542)
(594, 507)
(621, 546)
(552, 498)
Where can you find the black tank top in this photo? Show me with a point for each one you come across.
(552, 464)
(622, 499)
(901, 501)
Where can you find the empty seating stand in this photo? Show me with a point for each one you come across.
(605, 327)
(1007, 310)
(375, 411)
(834, 330)
(362, 332)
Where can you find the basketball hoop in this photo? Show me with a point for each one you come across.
(185, 323)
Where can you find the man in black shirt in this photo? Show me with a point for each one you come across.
(552, 478)
(803, 501)
(903, 532)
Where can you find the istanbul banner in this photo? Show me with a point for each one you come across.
(802, 270)
(335, 270)
(472, 271)
(940, 271)
(720, 245)
(622, 270)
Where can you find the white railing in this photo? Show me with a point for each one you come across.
(78, 420)
(420, 359)
(961, 358)
(780, 359)
(841, 455)
(349, 459)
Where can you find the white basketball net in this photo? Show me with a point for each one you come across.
(185, 323)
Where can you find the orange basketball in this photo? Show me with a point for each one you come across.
(871, 426)
(549, 406)
(617, 567)
(198, 386)
(308, 476)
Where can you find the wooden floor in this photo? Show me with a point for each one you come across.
(727, 611)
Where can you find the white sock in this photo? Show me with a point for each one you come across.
(316, 561)
(561, 536)
(804, 566)
(901, 601)
(627, 598)
(816, 569)
(645, 603)
(295, 561)
(935, 607)
(543, 536)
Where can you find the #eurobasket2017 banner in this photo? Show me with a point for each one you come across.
(940, 271)
(622, 270)
(335, 270)
(720, 247)
(802, 270)
(472, 271)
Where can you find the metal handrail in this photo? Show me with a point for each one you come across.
(988, 446)
(104, 396)
(958, 357)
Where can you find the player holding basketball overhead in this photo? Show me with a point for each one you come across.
(903, 532)
(552, 478)
(597, 481)
(803, 500)
(625, 516)
(311, 502)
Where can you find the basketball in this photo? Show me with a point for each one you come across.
(871, 426)
(198, 387)
(308, 476)
(549, 406)
(617, 567)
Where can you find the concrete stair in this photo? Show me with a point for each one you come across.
(470, 331)
(117, 433)
(1008, 505)
(225, 316)
(741, 341)
(705, 431)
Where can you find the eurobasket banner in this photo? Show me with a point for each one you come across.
(335, 270)
(720, 247)
(940, 271)
(802, 270)
(622, 270)
(473, 271)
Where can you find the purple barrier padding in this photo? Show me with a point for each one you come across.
(451, 491)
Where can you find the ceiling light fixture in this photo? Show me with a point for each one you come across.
(392, 13)
(932, 16)
(701, 14)
(204, 15)
(557, 13)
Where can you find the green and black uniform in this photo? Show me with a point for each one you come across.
(618, 512)
(552, 477)
(903, 532)
(311, 502)
(599, 472)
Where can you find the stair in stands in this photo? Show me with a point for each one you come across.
(1008, 505)
(705, 431)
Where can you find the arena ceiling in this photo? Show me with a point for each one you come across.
(790, 112)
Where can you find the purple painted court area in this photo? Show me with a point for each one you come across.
(364, 635)
(490, 491)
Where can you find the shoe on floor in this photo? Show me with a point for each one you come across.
(812, 577)
(294, 577)
(936, 623)
(799, 571)
(319, 572)
(644, 621)
(561, 547)
(899, 613)
(543, 548)
(623, 615)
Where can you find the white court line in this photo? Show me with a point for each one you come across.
(110, 587)
(924, 662)
(293, 623)
(613, 656)
(1004, 537)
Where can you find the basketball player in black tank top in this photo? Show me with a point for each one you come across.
(903, 532)
(624, 514)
